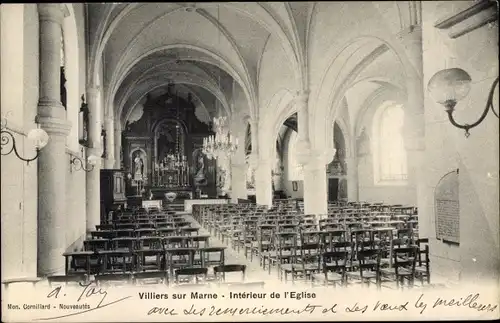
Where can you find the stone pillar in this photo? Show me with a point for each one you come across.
(118, 145)
(303, 143)
(254, 132)
(238, 181)
(263, 185)
(315, 186)
(93, 177)
(53, 161)
(352, 177)
(109, 125)
(415, 121)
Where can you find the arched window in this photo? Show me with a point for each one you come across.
(390, 161)
(295, 171)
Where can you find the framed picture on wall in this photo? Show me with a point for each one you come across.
(295, 186)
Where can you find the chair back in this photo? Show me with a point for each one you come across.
(191, 272)
(150, 277)
(405, 258)
(124, 278)
(220, 271)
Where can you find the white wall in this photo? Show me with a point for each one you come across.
(370, 191)
(477, 257)
(19, 95)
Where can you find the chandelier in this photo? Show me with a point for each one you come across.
(223, 143)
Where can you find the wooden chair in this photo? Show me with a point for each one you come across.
(307, 259)
(249, 235)
(422, 268)
(368, 264)
(330, 237)
(188, 231)
(403, 267)
(95, 244)
(333, 268)
(118, 260)
(211, 256)
(264, 244)
(164, 231)
(89, 264)
(145, 232)
(151, 277)
(101, 227)
(220, 272)
(149, 259)
(186, 275)
(114, 279)
(284, 255)
(177, 258)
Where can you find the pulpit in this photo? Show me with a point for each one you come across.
(112, 190)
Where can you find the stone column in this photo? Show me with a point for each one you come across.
(263, 185)
(352, 177)
(93, 177)
(118, 145)
(315, 185)
(303, 143)
(53, 161)
(109, 125)
(238, 181)
(411, 39)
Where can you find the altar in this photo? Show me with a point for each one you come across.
(163, 150)
(181, 193)
(149, 204)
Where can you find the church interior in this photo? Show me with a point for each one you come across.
(330, 143)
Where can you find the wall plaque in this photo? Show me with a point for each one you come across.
(447, 208)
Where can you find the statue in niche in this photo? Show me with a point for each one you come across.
(200, 178)
(363, 143)
(138, 167)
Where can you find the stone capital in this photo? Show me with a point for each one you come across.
(303, 151)
(316, 160)
(53, 12)
(55, 126)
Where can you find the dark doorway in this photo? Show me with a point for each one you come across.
(333, 189)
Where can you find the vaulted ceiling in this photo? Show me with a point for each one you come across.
(209, 50)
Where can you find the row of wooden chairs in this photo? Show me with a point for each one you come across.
(150, 241)
(145, 231)
(125, 260)
(245, 230)
(181, 275)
